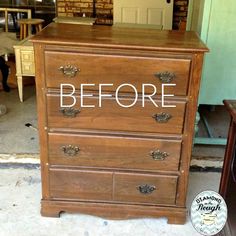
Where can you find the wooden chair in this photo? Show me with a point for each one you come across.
(26, 24)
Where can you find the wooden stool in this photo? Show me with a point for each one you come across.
(25, 26)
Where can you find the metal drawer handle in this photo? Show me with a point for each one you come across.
(69, 70)
(70, 150)
(162, 117)
(158, 155)
(165, 77)
(146, 189)
(70, 112)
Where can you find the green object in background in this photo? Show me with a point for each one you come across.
(215, 21)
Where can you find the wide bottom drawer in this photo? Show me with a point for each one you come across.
(112, 186)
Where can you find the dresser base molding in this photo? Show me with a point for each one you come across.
(112, 211)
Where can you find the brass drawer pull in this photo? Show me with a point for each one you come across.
(69, 70)
(162, 117)
(70, 150)
(158, 155)
(165, 77)
(69, 112)
(146, 189)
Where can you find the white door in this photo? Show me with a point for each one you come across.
(152, 12)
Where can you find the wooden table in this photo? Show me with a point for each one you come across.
(228, 178)
(25, 65)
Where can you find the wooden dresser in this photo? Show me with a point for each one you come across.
(112, 161)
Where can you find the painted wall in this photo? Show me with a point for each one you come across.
(217, 28)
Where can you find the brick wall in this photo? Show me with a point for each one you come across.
(104, 10)
(180, 13)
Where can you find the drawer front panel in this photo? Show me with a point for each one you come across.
(116, 70)
(111, 116)
(114, 152)
(28, 68)
(27, 56)
(71, 184)
(145, 188)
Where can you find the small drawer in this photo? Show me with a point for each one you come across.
(28, 68)
(114, 152)
(78, 68)
(80, 185)
(27, 56)
(112, 116)
(139, 188)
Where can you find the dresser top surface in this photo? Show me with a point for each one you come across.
(117, 37)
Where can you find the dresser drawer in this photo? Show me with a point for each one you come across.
(116, 70)
(145, 188)
(73, 184)
(114, 152)
(112, 116)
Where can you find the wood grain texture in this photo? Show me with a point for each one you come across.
(188, 131)
(89, 185)
(113, 211)
(122, 70)
(114, 152)
(126, 188)
(42, 118)
(109, 37)
(111, 116)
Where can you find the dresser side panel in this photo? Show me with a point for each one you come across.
(42, 116)
(188, 134)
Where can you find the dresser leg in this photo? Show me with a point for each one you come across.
(180, 220)
(50, 211)
(20, 87)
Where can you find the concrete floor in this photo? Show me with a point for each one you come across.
(15, 136)
(20, 211)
